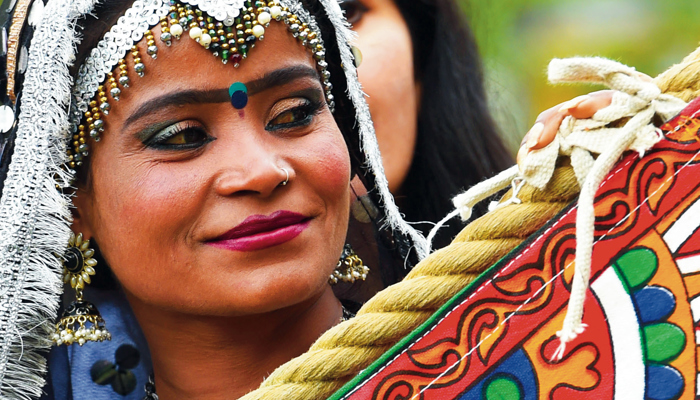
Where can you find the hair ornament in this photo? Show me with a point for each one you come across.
(227, 28)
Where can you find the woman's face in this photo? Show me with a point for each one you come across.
(185, 197)
(387, 76)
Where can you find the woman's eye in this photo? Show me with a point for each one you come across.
(354, 10)
(179, 137)
(188, 136)
(300, 115)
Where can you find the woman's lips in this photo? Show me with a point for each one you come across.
(260, 231)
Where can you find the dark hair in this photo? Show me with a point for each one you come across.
(458, 143)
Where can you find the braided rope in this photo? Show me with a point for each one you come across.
(682, 80)
(342, 352)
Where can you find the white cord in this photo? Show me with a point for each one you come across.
(636, 99)
(465, 202)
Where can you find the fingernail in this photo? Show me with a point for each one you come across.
(522, 153)
(573, 103)
(533, 136)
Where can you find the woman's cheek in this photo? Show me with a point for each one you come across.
(159, 192)
(331, 170)
(143, 215)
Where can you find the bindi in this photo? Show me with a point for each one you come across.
(238, 92)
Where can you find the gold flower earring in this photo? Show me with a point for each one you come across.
(350, 268)
(80, 322)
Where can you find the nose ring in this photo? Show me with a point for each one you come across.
(286, 180)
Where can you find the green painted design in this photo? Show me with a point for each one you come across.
(237, 87)
(637, 267)
(664, 342)
(502, 388)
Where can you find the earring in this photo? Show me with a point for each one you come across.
(349, 269)
(78, 267)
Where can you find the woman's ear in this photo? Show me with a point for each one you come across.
(80, 211)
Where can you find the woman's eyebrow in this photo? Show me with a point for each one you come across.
(271, 79)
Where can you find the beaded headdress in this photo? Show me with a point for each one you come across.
(41, 113)
(229, 29)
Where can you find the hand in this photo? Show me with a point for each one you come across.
(548, 122)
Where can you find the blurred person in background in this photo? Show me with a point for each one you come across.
(438, 137)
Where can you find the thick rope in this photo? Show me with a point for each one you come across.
(682, 80)
(342, 352)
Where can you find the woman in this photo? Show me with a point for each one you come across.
(196, 178)
(440, 138)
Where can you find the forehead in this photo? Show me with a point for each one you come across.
(187, 65)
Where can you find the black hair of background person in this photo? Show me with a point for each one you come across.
(458, 144)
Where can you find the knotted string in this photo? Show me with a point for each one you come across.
(594, 145)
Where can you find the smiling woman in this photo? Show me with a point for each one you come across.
(212, 145)
(167, 147)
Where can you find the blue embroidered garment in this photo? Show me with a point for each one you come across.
(116, 369)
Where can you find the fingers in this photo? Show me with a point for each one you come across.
(548, 122)
(542, 133)
(588, 106)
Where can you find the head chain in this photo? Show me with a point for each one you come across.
(228, 28)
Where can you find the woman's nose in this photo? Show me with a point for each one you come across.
(252, 170)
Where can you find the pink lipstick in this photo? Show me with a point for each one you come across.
(262, 231)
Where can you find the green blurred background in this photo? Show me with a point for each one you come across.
(517, 38)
